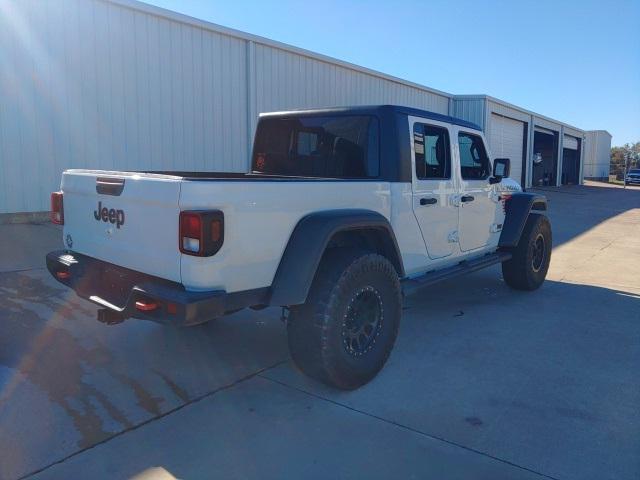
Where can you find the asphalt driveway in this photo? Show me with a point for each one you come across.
(484, 382)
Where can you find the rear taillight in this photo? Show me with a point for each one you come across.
(63, 274)
(57, 208)
(201, 232)
(146, 305)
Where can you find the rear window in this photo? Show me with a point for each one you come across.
(330, 147)
(634, 171)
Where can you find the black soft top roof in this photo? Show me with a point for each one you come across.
(378, 110)
(395, 142)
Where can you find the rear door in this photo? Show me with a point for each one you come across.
(434, 187)
(479, 221)
(126, 219)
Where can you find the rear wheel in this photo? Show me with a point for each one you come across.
(345, 331)
(527, 268)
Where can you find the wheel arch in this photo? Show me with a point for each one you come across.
(319, 231)
(517, 209)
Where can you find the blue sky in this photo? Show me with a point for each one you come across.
(575, 61)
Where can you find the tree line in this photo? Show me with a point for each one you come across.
(618, 158)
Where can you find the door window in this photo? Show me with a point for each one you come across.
(474, 161)
(431, 146)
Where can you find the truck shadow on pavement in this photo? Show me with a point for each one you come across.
(543, 379)
(506, 357)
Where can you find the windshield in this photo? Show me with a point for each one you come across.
(322, 146)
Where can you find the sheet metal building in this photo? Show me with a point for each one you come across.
(119, 84)
(597, 154)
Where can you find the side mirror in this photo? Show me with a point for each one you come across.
(501, 169)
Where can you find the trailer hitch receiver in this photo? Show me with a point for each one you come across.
(108, 316)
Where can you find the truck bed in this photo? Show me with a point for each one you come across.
(237, 176)
(240, 176)
(137, 226)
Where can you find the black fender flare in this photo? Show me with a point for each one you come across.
(307, 245)
(517, 209)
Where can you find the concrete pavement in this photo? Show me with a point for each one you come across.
(484, 382)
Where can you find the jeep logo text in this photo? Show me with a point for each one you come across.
(109, 215)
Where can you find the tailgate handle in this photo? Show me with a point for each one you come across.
(109, 186)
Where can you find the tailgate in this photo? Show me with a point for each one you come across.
(128, 219)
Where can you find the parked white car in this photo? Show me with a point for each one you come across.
(344, 211)
(633, 176)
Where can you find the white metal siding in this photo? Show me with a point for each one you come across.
(597, 154)
(121, 85)
(118, 84)
(573, 132)
(507, 111)
(470, 109)
(545, 130)
(506, 139)
(543, 125)
(286, 80)
(89, 84)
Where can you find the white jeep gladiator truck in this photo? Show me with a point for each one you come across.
(344, 211)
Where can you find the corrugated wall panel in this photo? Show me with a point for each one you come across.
(470, 109)
(506, 111)
(544, 123)
(574, 132)
(590, 155)
(604, 155)
(113, 84)
(286, 80)
(90, 84)
(94, 84)
(597, 154)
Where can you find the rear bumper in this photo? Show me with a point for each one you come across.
(117, 289)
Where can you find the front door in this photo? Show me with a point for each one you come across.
(434, 186)
(478, 203)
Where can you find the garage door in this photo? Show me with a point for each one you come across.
(506, 140)
(570, 142)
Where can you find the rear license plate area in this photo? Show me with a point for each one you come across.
(115, 285)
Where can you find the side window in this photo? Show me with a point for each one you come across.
(431, 145)
(340, 146)
(307, 142)
(474, 162)
(373, 150)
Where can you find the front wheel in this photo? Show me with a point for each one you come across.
(345, 331)
(527, 268)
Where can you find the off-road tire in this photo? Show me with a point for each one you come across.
(323, 339)
(526, 270)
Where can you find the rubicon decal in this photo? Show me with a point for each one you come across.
(110, 215)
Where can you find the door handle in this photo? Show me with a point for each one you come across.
(428, 201)
(467, 198)
(109, 186)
